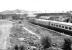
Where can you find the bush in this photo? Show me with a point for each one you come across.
(46, 42)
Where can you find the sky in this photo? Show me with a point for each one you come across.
(37, 5)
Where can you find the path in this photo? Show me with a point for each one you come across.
(4, 32)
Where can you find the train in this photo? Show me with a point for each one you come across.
(57, 25)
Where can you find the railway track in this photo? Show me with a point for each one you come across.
(53, 25)
(53, 31)
(55, 38)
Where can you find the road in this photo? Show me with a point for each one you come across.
(4, 33)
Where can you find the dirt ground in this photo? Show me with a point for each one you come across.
(27, 35)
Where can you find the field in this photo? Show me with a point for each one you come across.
(28, 35)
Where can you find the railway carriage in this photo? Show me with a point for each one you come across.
(63, 26)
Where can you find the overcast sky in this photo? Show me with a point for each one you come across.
(37, 5)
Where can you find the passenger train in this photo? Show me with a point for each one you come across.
(55, 24)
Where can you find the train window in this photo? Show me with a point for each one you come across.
(51, 24)
(66, 27)
(56, 25)
(62, 26)
(70, 28)
(59, 25)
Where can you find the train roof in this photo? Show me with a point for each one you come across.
(52, 14)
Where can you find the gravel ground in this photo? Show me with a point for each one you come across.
(30, 35)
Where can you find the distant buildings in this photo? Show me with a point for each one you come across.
(53, 16)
